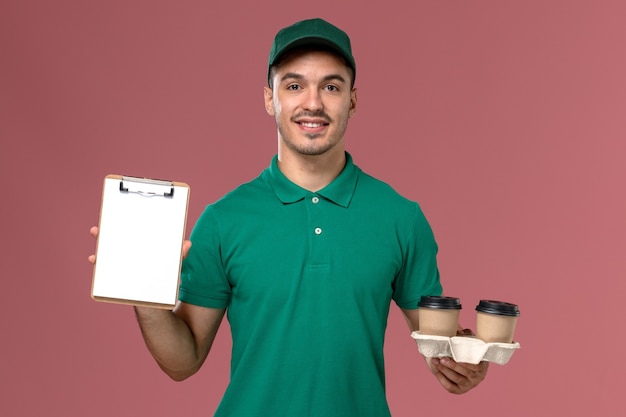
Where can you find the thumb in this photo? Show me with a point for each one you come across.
(186, 247)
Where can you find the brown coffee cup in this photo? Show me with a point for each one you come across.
(439, 315)
(495, 321)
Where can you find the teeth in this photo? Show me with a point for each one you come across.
(311, 124)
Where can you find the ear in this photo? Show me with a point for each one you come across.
(269, 100)
(352, 103)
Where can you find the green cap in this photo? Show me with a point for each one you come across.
(312, 32)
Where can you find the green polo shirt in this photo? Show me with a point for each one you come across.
(307, 279)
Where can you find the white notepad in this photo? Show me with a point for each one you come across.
(139, 247)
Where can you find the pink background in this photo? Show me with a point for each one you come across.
(504, 119)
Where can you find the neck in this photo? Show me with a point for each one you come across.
(312, 172)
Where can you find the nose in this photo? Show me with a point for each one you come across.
(313, 100)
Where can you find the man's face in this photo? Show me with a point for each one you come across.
(311, 101)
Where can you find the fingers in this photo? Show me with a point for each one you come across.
(464, 332)
(448, 379)
(456, 377)
(94, 232)
(186, 247)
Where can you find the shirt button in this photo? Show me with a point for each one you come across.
(315, 200)
(318, 231)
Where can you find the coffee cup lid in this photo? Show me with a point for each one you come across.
(439, 301)
(498, 307)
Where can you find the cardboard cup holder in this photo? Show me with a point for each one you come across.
(466, 349)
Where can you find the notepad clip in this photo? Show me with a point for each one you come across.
(147, 187)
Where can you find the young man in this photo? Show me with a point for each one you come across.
(305, 259)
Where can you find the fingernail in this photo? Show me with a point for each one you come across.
(445, 361)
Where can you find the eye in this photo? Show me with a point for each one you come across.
(331, 87)
(293, 87)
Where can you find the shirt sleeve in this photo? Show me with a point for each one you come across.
(203, 280)
(419, 274)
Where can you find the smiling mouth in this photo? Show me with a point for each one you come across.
(312, 125)
(312, 120)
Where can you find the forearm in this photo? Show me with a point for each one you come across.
(170, 341)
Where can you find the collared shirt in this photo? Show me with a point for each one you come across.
(307, 279)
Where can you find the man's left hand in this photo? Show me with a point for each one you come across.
(457, 377)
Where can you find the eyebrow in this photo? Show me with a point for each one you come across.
(296, 76)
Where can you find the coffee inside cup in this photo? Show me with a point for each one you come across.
(439, 315)
(496, 321)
